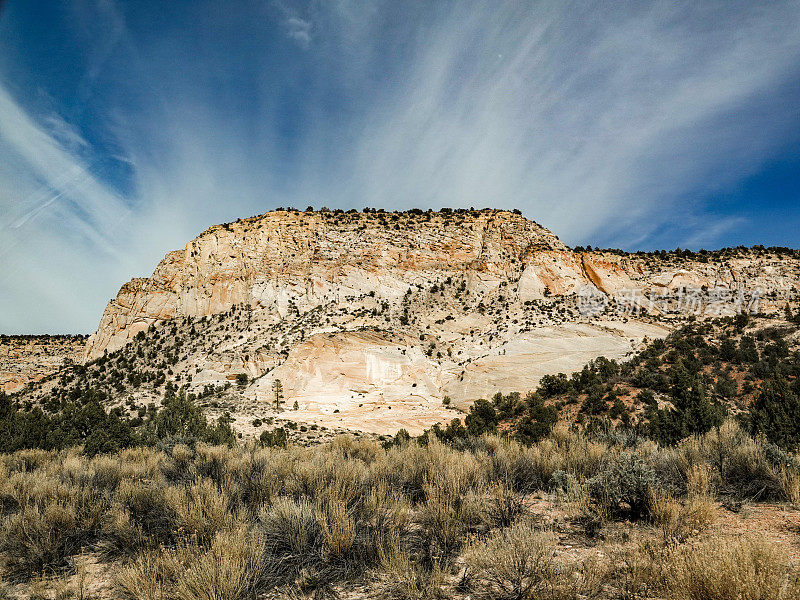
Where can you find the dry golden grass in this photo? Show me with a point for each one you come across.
(520, 563)
(402, 578)
(721, 568)
(790, 485)
(338, 528)
(153, 574)
(231, 569)
(202, 510)
(217, 522)
(679, 519)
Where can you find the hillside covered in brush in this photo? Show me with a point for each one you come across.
(687, 383)
(745, 368)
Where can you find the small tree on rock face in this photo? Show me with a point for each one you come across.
(241, 380)
(277, 387)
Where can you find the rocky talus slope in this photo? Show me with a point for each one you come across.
(371, 319)
(26, 359)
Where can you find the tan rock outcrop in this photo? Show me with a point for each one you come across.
(287, 261)
(26, 359)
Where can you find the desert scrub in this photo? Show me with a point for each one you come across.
(402, 578)
(292, 537)
(252, 481)
(514, 465)
(633, 568)
(202, 510)
(453, 507)
(412, 467)
(52, 524)
(741, 466)
(519, 563)
(790, 486)
(338, 529)
(624, 487)
(678, 519)
(503, 506)
(231, 569)
(28, 460)
(151, 509)
(723, 568)
(153, 573)
(318, 518)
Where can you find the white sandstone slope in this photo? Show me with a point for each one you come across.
(372, 382)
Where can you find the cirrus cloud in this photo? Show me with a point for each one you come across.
(613, 124)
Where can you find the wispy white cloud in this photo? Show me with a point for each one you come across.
(299, 30)
(597, 121)
(296, 26)
(45, 166)
(586, 119)
(59, 224)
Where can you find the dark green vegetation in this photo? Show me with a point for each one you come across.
(43, 336)
(685, 384)
(703, 255)
(80, 418)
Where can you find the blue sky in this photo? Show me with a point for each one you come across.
(126, 128)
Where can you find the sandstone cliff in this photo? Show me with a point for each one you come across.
(288, 261)
(285, 260)
(371, 319)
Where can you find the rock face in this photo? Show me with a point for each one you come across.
(292, 260)
(371, 319)
(286, 260)
(26, 359)
(373, 382)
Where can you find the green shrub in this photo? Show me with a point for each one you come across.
(276, 437)
(623, 487)
(519, 563)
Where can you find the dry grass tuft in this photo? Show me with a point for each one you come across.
(217, 522)
(202, 510)
(790, 486)
(519, 563)
(730, 569)
(231, 569)
(678, 520)
(402, 578)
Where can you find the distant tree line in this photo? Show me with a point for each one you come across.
(82, 420)
(701, 255)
